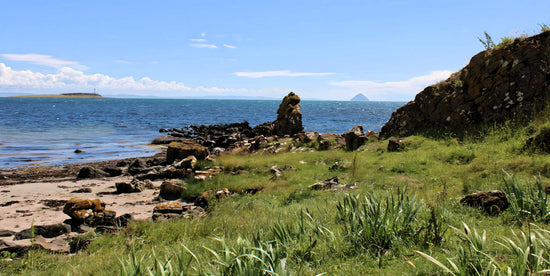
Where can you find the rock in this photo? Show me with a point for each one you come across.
(276, 172)
(137, 166)
(78, 151)
(57, 245)
(509, 82)
(167, 210)
(170, 190)
(325, 184)
(164, 140)
(132, 187)
(181, 150)
(82, 190)
(208, 173)
(289, 116)
(113, 171)
(6, 233)
(355, 138)
(395, 145)
(14, 247)
(186, 163)
(90, 212)
(91, 172)
(336, 166)
(46, 231)
(492, 202)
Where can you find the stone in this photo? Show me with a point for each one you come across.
(113, 171)
(14, 247)
(355, 138)
(167, 210)
(492, 202)
(90, 212)
(325, 184)
(187, 163)
(46, 231)
(289, 116)
(138, 166)
(181, 150)
(170, 190)
(276, 172)
(91, 172)
(82, 190)
(6, 233)
(395, 145)
(164, 140)
(129, 187)
(57, 245)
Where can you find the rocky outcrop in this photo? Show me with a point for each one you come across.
(355, 138)
(511, 81)
(289, 116)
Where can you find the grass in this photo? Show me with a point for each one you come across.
(404, 218)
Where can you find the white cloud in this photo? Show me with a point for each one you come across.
(68, 79)
(282, 73)
(198, 39)
(385, 90)
(229, 46)
(46, 60)
(203, 34)
(203, 45)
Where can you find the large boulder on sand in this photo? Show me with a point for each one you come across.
(289, 116)
(181, 150)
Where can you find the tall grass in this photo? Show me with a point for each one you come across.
(527, 203)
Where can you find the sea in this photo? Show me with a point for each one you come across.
(47, 131)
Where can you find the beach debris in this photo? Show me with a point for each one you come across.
(491, 202)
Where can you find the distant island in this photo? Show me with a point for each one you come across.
(64, 95)
(360, 98)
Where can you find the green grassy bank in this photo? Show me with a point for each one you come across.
(404, 217)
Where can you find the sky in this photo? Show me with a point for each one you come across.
(322, 49)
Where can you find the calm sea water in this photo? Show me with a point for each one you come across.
(46, 131)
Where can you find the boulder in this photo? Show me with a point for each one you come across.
(129, 187)
(91, 172)
(355, 138)
(90, 212)
(170, 190)
(492, 202)
(289, 116)
(56, 245)
(138, 166)
(181, 150)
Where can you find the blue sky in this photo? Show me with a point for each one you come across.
(387, 50)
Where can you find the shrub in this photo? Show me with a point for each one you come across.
(526, 203)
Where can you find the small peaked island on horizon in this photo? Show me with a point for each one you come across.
(64, 95)
(360, 98)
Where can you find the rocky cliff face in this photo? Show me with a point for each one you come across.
(512, 81)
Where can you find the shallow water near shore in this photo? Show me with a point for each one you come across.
(47, 131)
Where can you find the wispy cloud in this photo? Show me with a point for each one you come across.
(123, 61)
(203, 45)
(46, 60)
(282, 73)
(198, 40)
(229, 46)
(382, 90)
